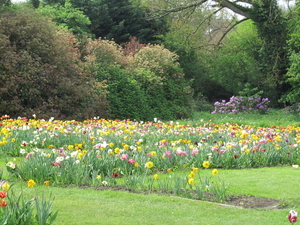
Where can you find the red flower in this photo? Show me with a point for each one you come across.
(292, 217)
(235, 156)
(115, 175)
(3, 194)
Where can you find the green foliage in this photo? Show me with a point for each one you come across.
(67, 17)
(234, 65)
(293, 78)
(142, 84)
(126, 98)
(26, 212)
(272, 30)
(35, 3)
(117, 20)
(41, 72)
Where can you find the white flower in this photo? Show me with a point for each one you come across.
(59, 159)
(104, 183)
(74, 154)
(22, 151)
(295, 166)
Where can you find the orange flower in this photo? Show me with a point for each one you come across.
(3, 203)
(47, 183)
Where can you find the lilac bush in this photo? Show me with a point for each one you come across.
(242, 105)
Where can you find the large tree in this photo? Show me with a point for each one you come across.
(266, 15)
(117, 19)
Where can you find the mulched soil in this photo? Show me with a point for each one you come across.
(242, 201)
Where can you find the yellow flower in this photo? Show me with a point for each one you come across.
(50, 146)
(206, 164)
(126, 147)
(155, 176)
(195, 169)
(192, 174)
(98, 177)
(191, 181)
(169, 170)
(111, 144)
(31, 183)
(117, 150)
(5, 187)
(136, 164)
(48, 155)
(47, 183)
(70, 147)
(153, 153)
(149, 164)
(139, 148)
(214, 172)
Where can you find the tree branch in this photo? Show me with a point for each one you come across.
(243, 11)
(230, 28)
(163, 12)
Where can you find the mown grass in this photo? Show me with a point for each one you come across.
(93, 207)
(273, 118)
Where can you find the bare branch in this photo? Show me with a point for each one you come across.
(230, 28)
(163, 12)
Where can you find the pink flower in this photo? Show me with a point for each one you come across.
(292, 217)
(29, 155)
(195, 151)
(131, 161)
(215, 149)
(168, 154)
(180, 152)
(56, 164)
(124, 156)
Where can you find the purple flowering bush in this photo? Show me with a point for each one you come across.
(242, 105)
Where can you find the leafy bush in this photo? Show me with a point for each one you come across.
(41, 72)
(143, 81)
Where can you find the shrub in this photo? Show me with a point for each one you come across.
(143, 82)
(41, 72)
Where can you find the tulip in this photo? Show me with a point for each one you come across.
(292, 217)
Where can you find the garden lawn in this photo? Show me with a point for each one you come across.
(93, 207)
(77, 206)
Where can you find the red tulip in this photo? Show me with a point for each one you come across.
(3, 194)
(292, 217)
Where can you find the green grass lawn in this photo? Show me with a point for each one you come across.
(89, 206)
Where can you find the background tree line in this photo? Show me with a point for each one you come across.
(142, 59)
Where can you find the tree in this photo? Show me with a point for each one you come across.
(266, 15)
(117, 20)
(68, 17)
(293, 95)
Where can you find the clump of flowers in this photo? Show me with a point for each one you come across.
(235, 105)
